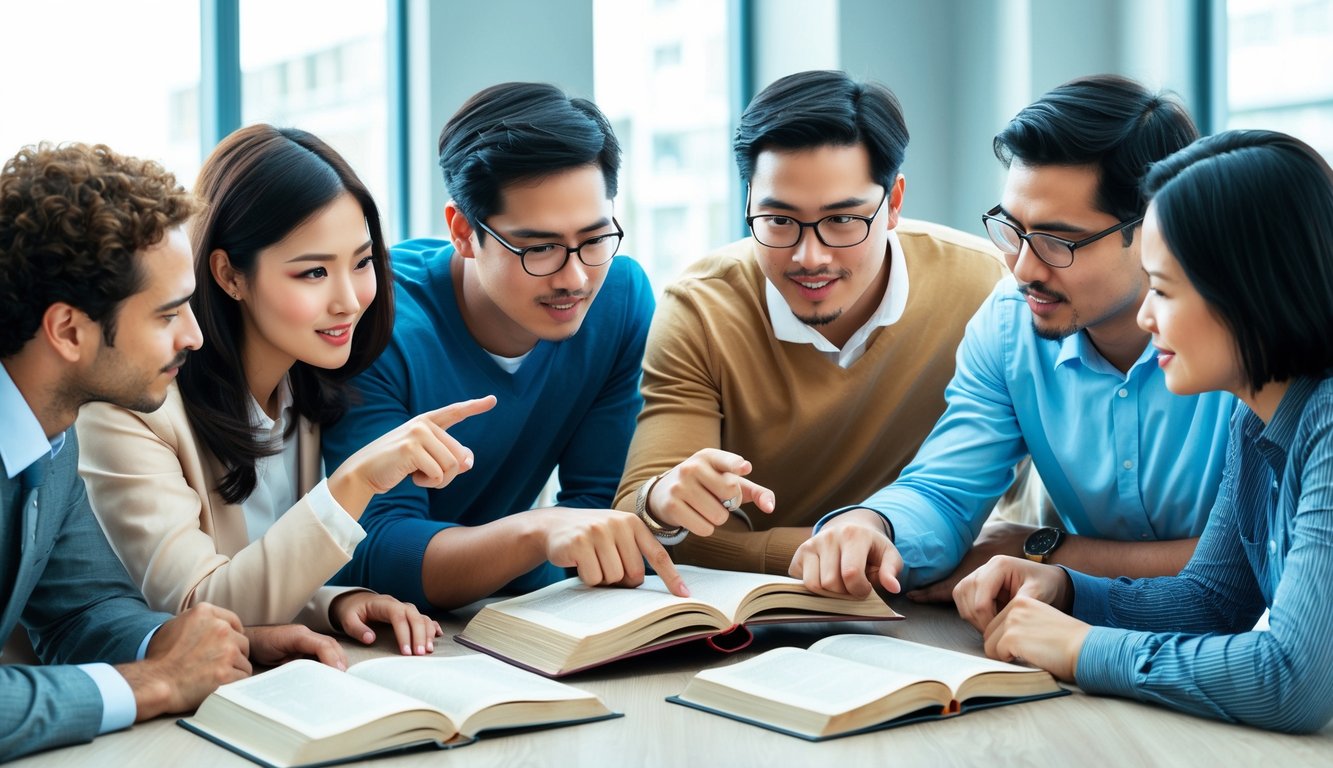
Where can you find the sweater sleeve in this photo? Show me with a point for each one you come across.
(682, 414)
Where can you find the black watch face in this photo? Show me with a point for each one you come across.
(1041, 542)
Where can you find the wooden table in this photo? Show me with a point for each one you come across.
(1070, 730)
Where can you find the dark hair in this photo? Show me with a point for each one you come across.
(1106, 121)
(72, 220)
(259, 184)
(819, 109)
(516, 132)
(1249, 217)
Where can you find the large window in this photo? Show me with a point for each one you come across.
(1278, 73)
(321, 67)
(120, 74)
(661, 74)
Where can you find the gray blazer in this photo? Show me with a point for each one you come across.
(61, 581)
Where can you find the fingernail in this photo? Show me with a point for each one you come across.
(421, 650)
(407, 650)
(368, 637)
(430, 647)
(467, 462)
(342, 667)
(685, 591)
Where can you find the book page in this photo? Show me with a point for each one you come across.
(726, 590)
(582, 611)
(315, 699)
(817, 682)
(949, 667)
(578, 610)
(460, 686)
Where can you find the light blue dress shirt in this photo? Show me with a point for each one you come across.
(1121, 457)
(1182, 641)
(22, 442)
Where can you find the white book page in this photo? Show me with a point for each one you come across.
(824, 684)
(315, 699)
(949, 667)
(581, 611)
(463, 685)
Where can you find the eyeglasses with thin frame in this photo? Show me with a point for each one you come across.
(1054, 251)
(840, 230)
(548, 258)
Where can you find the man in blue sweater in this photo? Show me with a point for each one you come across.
(528, 302)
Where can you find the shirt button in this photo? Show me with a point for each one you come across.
(1123, 393)
(1272, 547)
(1128, 464)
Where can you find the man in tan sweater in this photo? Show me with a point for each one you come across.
(797, 371)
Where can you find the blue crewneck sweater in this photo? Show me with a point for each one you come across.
(571, 404)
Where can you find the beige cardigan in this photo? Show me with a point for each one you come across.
(152, 485)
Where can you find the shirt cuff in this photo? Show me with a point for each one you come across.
(143, 647)
(1107, 662)
(346, 532)
(1091, 602)
(118, 707)
(888, 524)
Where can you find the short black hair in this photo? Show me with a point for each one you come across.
(516, 132)
(1106, 121)
(824, 108)
(1249, 217)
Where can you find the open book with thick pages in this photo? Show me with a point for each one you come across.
(847, 684)
(305, 713)
(569, 627)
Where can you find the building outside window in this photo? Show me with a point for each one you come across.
(661, 77)
(1278, 68)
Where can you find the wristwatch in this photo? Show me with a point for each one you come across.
(1041, 543)
(641, 511)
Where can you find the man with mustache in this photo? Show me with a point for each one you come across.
(796, 371)
(95, 281)
(1055, 367)
(527, 301)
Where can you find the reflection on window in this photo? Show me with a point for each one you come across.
(660, 77)
(103, 73)
(1278, 73)
(322, 68)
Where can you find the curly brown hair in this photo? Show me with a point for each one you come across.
(72, 219)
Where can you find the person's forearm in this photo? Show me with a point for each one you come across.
(463, 563)
(1134, 559)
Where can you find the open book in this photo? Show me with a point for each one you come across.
(848, 684)
(569, 627)
(306, 713)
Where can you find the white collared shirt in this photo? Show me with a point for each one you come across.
(788, 327)
(277, 478)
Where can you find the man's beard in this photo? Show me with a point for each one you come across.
(817, 320)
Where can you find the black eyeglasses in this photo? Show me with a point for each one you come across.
(841, 230)
(1055, 251)
(548, 258)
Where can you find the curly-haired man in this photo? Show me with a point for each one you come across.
(95, 278)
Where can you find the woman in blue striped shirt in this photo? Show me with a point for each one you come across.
(1238, 247)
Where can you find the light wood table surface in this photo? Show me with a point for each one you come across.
(1071, 730)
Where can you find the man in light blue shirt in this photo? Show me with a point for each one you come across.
(1053, 366)
(95, 276)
